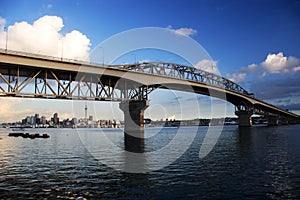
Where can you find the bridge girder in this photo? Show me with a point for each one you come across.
(46, 83)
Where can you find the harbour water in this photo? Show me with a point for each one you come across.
(250, 163)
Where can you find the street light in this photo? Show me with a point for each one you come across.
(62, 48)
(6, 38)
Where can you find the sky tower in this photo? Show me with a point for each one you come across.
(85, 115)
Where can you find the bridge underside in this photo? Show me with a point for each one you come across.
(29, 82)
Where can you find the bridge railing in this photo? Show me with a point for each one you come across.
(184, 72)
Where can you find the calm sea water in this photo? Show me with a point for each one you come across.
(250, 163)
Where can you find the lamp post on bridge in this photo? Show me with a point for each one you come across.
(62, 48)
(6, 28)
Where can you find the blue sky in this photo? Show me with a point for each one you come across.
(255, 43)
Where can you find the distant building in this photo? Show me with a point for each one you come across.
(55, 119)
(43, 120)
(67, 123)
(32, 120)
(74, 121)
(37, 119)
(27, 120)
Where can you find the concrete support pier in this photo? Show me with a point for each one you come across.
(284, 121)
(134, 124)
(273, 120)
(245, 119)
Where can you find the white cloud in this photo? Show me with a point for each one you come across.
(49, 6)
(278, 63)
(237, 77)
(2, 33)
(2, 24)
(263, 75)
(144, 61)
(295, 69)
(273, 64)
(184, 31)
(8, 112)
(173, 117)
(44, 37)
(240, 75)
(63, 116)
(208, 65)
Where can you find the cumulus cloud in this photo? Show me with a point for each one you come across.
(44, 37)
(208, 65)
(8, 112)
(273, 64)
(237, 77)
(184, 31)
(273, 80)
(278, 63)
(2, 24)
(240, 75)
(295, 69)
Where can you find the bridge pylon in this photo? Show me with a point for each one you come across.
(273, 120)
(134, 124)
(244, 114)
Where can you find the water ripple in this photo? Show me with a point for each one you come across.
(254, 163)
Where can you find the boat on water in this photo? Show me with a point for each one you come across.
(18, 129)
(172, 123)
(15, 134)
(28, 135)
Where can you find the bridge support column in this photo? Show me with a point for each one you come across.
(134, 124)
(245, 119)
(273, 120)
(284, 121)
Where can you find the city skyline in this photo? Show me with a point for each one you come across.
(56, 116)
(258, 51)
(54, 121)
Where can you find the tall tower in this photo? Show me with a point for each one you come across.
(85, 116)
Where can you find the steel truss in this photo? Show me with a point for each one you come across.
(254, 109)
(184, 72)
(53, 84)
(45, 83)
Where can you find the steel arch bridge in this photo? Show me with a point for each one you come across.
(34, 76)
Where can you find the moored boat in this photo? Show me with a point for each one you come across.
(28, 135)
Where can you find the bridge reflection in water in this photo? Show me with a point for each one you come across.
(35, 76)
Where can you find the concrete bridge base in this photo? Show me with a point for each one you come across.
(134, 124)
(284, 121)
(245, 119)
(273, 120)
